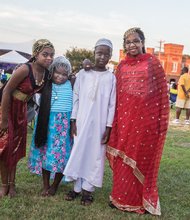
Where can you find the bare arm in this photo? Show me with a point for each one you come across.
(76, 90)
(12, 84)
(111, 112)
(112, 102)
(73, 128)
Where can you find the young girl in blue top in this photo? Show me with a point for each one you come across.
(51, 144)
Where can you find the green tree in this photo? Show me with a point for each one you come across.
(77, 55)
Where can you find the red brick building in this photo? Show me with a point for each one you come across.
(172, 59)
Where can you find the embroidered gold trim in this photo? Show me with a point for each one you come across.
(128, 161)
(18, 145)
(21, 96)
(146, 205)
(150, 208)
(125, 207)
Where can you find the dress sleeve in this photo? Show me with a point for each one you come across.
(112, 101)
(76, 90)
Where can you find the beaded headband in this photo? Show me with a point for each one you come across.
(131, 31)
(39, 45)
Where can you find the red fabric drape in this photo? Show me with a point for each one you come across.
(17, 124)
(138, 134)
(3, 139)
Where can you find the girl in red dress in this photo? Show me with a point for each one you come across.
(25, 82)
(139, 128)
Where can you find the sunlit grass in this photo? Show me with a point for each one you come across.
(174, 189)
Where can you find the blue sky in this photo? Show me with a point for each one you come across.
(81, 23)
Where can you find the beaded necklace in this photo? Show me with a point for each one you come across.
(56, 89)
(39, 83)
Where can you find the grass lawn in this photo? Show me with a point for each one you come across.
(174, 189)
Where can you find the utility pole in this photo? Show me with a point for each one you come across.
(160, 47)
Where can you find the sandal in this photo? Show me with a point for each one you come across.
(87, 198)
(72, 195)
(111, 205)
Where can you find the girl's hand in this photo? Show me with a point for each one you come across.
(73, 128)
(3, 128)
(106, 135)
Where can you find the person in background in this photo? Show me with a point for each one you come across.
(3, 80)
(184, 70)
(173, 95)
(87, 65)
(183, 96)
(139, 129)
(23, 84)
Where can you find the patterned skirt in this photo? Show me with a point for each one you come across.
(54, 155)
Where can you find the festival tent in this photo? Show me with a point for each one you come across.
(12, 57)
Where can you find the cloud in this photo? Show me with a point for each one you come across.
(6, 15)
(15, 16)
(66, 28)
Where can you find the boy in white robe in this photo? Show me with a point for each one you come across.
(91, 121)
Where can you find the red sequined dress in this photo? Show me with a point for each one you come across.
(138, 134)
(17, 120)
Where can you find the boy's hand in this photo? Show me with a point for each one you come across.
(106, 135)
(73, 128)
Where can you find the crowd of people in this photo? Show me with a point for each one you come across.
(123, 116)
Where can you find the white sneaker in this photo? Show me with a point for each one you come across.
(176, 121)
(187, 122)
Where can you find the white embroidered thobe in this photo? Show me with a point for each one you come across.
(94, 98)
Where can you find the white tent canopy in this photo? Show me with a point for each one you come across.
(12, 57)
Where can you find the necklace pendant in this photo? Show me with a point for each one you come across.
(39, 83)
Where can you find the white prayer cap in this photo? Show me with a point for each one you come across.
(104, 42)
